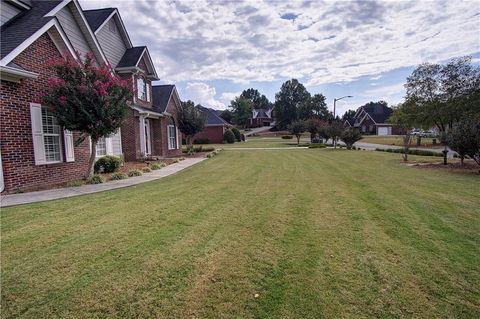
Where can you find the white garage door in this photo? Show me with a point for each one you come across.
(384, 130)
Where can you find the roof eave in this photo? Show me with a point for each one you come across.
(15, 75)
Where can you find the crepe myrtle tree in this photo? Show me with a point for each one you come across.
(87, 98)
(350, 137)
(297, 128)
(464, 138)
(191, 120)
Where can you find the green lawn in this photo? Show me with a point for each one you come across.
(394, 140)
(263, 142)
(315, 233)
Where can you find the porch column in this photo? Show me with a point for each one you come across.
(143, 150)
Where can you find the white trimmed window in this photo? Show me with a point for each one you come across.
(101, 147)
(141, 89)
(172, 137)
(48, 141)
(51, 137)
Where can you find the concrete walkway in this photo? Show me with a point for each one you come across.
(257, 130)
(40, 196)
(264, 148)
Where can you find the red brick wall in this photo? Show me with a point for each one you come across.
(16, 143)
(213, 133)
(131, 137)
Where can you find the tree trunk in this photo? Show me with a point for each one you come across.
(462, 157)
(298, 140)
(91, 162)
(189, 145)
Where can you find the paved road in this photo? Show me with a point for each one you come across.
(40, 196)
(258, 130)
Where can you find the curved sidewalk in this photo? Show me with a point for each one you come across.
(51, 194)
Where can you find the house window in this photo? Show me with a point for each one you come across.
(51, 137)
(141, 89)
(172, 136)
(102, 147)
(111, 26)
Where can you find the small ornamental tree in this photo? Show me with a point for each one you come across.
(314, 126)
(335, 130)
(191, 120)
(350, 137)
(400, 117)
(297, 128)
(87, 98)
(464, 138)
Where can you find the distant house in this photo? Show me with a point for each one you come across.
(261, 117)
(215, 126)
(372, 118)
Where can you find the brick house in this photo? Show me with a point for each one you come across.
(215, 126)
(34, 150)
(149, 129)
(262, 117)
(372, 118)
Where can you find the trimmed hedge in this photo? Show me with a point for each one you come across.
(107, 164)
(197, 149)
(201, 141)
(238, 135)
(410, 152)
(146, 170)
(317, 146)
(229, 137)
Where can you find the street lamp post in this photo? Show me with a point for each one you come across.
(334, 113)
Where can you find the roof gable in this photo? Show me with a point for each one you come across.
(98, 19)
(132, 57)
(161, 95)
(212, 118)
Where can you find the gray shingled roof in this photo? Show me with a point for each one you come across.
(131, 57)
(96, 17)
(212, 117)
(24, 25)
(378, 112)
(160, 96)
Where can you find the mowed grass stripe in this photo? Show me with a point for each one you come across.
(316, 233)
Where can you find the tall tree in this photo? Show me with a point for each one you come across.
(288, 100)
(440, 95)
(315, 107)
(348, 116)
(227, 115)
(241, 111)
(191, 120)
(259, 101)
(89, 99)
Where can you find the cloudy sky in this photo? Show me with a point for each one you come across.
(213, 50)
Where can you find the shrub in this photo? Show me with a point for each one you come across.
(201, 141)
(118, 176)
(210, 155)
(95, 179)
(238, 135)
(156, 166)
(134, 172)
(146, 170)
(287, 137)
(107, 164)
(229, 137)
(317, 146)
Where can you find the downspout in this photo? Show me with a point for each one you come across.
(2, 184)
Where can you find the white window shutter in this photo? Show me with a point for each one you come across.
(69, 148)
(148, 91)
(37, 133)
(109, 145)
(176, 131)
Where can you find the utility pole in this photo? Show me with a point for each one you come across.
(334, 114)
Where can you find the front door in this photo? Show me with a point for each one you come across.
(148, 140)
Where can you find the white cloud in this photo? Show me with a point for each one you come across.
(391, 93)
(200, 41)
(202, 93)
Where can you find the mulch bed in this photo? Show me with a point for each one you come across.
(470, 167)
